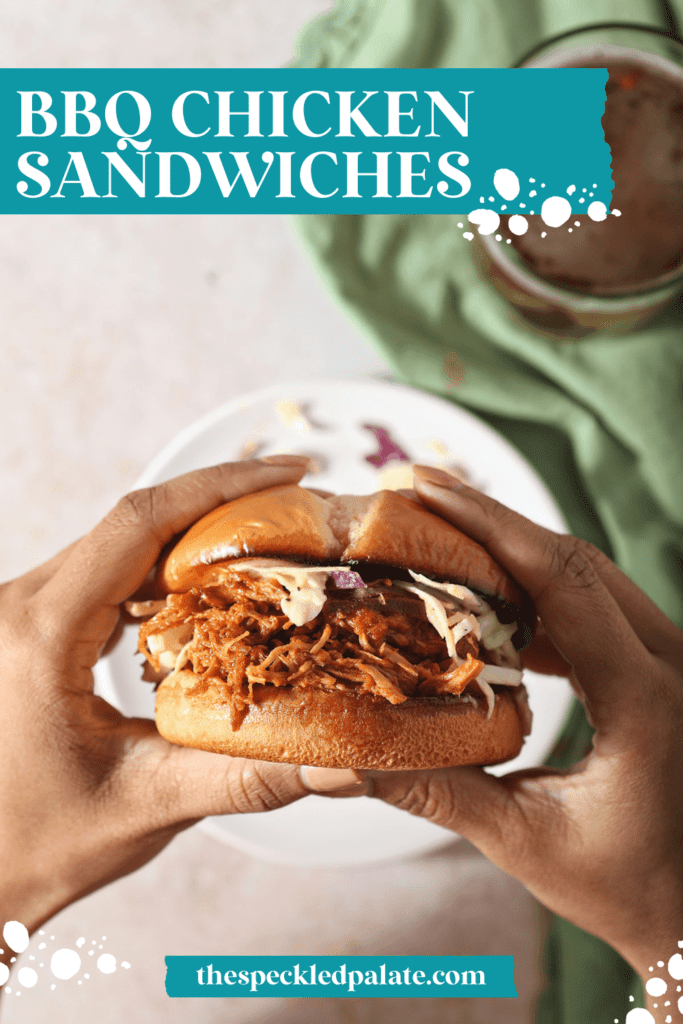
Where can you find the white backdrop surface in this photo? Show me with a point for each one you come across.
(118, 332)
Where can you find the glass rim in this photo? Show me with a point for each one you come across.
(632, 26)
(664, 281)
(666, 285)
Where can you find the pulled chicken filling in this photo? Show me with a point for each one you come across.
(390, 639)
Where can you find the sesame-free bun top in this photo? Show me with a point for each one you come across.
(297, 525)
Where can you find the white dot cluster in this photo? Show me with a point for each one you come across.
(656, 987)
(555, 210)
(65, 963)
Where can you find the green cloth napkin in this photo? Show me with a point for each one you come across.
(600, 420)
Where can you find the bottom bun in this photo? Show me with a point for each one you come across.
(339, 729)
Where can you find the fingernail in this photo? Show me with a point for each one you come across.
(440, 477)
(285, 460)
(335, 782)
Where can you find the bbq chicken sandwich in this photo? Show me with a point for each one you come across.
(355, 632)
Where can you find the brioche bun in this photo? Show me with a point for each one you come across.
(339, 730)
(385, 529)
(334, 728)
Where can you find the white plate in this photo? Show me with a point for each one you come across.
(325, 419)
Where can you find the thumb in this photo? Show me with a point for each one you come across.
(179, 785)
(504, 818)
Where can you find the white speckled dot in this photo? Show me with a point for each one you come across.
(107, 963)
(598, 211)
(486, 220)
(27, 977)
(65, 963)
(517, 224)
(4, 973)
(15, 935)
(506, 183)
(639, 1016)
(675, 967)
(556, 211)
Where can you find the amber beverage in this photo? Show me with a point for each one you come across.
(616, 274)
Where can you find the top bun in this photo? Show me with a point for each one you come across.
(296, 525)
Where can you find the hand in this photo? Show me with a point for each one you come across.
(600, 844)
(87, 795)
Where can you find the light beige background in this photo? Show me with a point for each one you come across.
(117, 332)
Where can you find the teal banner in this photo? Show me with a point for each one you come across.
(292, 140)
(326, 977)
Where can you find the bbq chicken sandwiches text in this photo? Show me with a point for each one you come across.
(355, 632)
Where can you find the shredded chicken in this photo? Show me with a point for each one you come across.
(237, 633)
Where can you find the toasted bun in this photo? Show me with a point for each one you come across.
(339, 730)
(382, 529)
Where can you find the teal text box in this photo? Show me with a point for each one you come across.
(324, 977)
(292, 140)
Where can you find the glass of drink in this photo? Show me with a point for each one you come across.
(616, 274)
